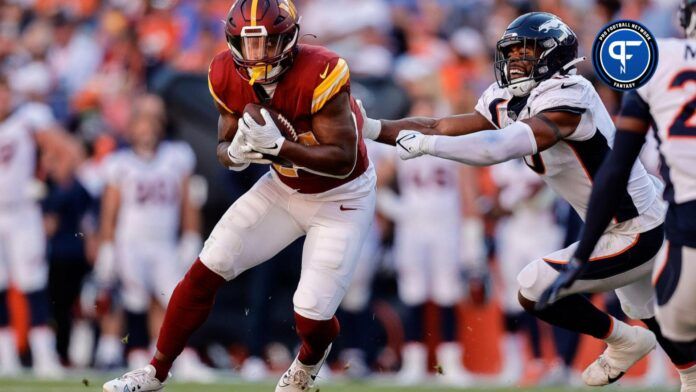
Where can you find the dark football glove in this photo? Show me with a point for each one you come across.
(568, 276)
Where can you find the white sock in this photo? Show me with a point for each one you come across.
(42, 341)
(618, 332)
(9, 357)
(109, 350)
(688, 378)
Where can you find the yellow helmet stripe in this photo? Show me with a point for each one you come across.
(254, 9)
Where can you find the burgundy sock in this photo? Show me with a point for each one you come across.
(316, 337)
(188, 308)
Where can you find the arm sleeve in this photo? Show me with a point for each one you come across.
(606, 195)
(486, 147)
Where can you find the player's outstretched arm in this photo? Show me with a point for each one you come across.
(335, 130)
(461, 124)
(484, 148)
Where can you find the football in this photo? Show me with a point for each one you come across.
(285, 127)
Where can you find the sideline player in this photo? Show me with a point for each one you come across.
(433, 214)
(149, 231)
(23, 130)
(666, 103)
(530, 205)
(326, 195)
(543, 111)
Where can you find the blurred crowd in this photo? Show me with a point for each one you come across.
(96, 65)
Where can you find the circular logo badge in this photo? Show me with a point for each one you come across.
(624, 55)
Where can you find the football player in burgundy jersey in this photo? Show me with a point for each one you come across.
(326, 193)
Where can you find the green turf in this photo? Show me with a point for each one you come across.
(95, 385)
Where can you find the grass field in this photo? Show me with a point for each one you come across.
(27, 385)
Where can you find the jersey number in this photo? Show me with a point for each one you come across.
(683, 126)
(7, 152)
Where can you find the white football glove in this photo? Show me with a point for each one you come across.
(411, 144)
(371, 127)
(241, 154)
(265, 138)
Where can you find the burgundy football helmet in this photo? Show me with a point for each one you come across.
(262, 35)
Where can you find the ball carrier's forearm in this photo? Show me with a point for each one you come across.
(330, 159)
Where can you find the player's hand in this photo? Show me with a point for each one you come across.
(240, 153)
(265, 138)
(105, 265)
(568, 276)
(410, 144)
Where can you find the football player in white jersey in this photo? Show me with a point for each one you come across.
(149, 231)
(434, 210)
(23, 130)
(666, 103)
(540, 109)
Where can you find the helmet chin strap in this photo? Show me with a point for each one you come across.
(262, 70)
(520, 89)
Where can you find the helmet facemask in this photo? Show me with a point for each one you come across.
(261, 55)
(520, 63)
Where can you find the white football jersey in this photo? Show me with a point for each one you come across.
(671, 96)
(150, 191)
(18, 150)
(569, 166)
(429, 189)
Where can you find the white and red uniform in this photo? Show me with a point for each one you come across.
(334, 213)
(427, 231)
(22, 237)
(148, 221)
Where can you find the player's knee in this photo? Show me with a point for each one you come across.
(221, 250)
(38, 306)
(527, 304)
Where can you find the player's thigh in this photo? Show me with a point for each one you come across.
(360, 288)
(618, 260)
(135, 275)
(333, 243)
(410, 251)
(445, 268)
(166, 272)
(674, 280)
(26, 251)
(254, 229)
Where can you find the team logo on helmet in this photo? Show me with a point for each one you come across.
(555, 24)
(624, 55)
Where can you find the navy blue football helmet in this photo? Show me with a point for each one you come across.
(687, 17)
(554, 44)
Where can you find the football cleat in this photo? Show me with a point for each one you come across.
(139, 380)
(613, 363)
(254, 369)
(300, 377)
(688, 379)
(414, 357)
(449, 357)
